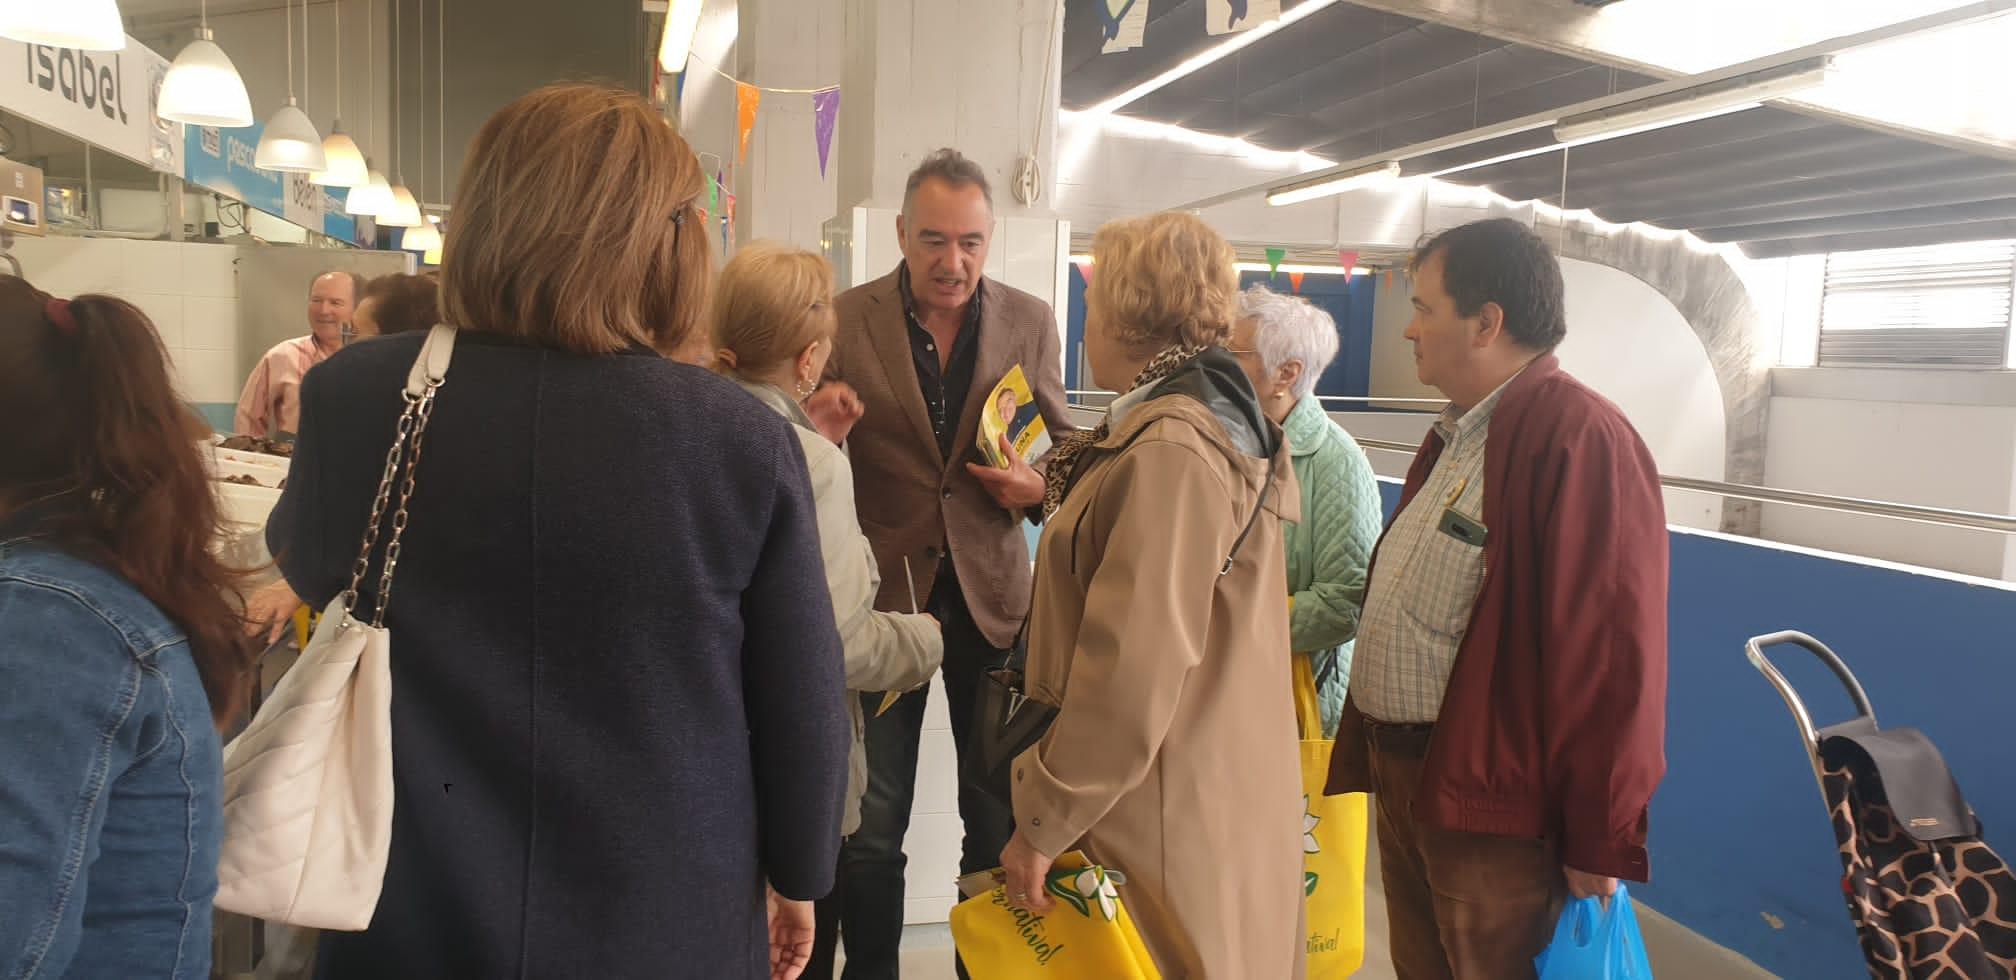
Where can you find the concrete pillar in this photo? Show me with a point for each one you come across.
(981, 76)
(788, 44)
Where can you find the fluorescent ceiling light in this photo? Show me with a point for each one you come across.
(87, 25)
(1303, 267)
(1700, 102)
(1309, 189)
(1195, 63)
(1313, 270)
(682, 21)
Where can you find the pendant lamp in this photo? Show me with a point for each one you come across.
(87, 25)
(345, 162)
(290, 143)
(405, 209)
(370, 199)
(203, 87)
(424, 238)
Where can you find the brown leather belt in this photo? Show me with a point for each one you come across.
(1399, 738)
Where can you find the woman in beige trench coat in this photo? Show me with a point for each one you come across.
(1156, 625)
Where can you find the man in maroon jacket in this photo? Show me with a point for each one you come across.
(1508, 702)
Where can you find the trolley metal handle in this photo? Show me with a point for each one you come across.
(1865, 712)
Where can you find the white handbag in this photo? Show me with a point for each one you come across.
(308, 784)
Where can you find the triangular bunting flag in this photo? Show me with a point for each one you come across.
(1389, 278)
(825, 112)
(1295, 281)
(747, 98)
(1274, 257)
(714, 194)
(1085, 270)
(1350, 261)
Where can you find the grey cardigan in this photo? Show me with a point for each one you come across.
(884, 651)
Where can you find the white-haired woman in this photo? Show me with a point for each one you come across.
(1285, 343)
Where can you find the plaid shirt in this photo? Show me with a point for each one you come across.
(1419, 603)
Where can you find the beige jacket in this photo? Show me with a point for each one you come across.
(1173, 756)
(884, 651)
(918, 505)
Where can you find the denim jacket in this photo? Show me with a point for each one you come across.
(109, 778)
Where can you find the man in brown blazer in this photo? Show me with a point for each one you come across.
(917, 353)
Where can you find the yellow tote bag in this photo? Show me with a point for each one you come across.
(1086, 936)
(1333, 848)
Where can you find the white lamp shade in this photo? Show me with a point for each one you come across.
(433, 256)
(87, 25)
(290, 143)
(203, 88)
(345, 162)
(425, 238)
(370, 199)
(404, 212)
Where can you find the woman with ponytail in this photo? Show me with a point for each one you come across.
(121, 649)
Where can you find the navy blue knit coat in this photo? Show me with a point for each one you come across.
(617, 683)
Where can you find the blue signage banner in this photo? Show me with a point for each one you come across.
(335, 223)
(221, 160)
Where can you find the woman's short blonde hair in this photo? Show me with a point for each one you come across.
(575, 226)
(772, 302)
(1163, 280)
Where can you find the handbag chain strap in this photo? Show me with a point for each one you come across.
(412, 429)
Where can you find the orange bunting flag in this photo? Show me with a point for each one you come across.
(1295, 281)
(747, 98)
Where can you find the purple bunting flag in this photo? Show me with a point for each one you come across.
(825, 112)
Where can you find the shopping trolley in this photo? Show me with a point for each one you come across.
(1930, 900)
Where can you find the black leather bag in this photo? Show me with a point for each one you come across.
(1006, 722)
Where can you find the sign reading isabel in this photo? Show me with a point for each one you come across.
(105, 98)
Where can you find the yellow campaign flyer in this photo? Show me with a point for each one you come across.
(1011, 410)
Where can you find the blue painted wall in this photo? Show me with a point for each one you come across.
(1348, 301)
(1738, 829)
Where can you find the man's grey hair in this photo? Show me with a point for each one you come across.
(1290, 328)
(357, 282)
(952, 167)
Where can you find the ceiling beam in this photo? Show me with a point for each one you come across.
(1801, 200)
(1968, 13)
(1938, 235)
(1580, 33)
(1684, 174)
(1944, 216)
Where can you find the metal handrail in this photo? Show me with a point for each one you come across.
(1916, 513)
(1919, 513)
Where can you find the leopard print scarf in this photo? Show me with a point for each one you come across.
(1064, 457)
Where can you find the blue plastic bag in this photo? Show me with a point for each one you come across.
(1596, 942)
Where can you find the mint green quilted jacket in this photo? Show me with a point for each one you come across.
(1329, 550)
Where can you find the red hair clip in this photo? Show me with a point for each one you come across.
(58, 312)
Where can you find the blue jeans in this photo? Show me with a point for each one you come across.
(109, 779)
(867, 902)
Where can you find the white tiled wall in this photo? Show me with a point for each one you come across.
(189, 290)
